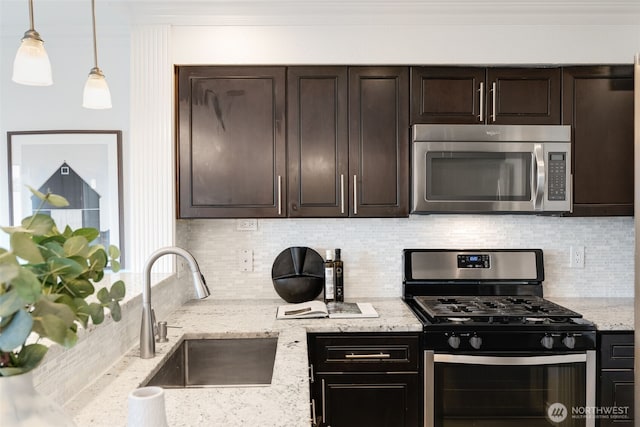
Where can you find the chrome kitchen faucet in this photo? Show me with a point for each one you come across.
(147, 342)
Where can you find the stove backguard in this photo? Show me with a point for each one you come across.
(472, 272)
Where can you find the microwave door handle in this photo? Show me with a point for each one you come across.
(481, 103)
(539, 177)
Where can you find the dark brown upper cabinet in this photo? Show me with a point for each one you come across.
(379, 141)
(348, 141)
(231, 156)
(598, 104)
(475, 95)
(318, 141)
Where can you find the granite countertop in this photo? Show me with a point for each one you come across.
(285, 403)
(609, 314)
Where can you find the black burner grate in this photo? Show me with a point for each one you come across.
(493, 308)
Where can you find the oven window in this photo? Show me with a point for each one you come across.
(503, 395)
(462, 176)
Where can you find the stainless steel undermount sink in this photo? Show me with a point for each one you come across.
(218, 362)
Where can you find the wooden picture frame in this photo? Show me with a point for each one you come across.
(84, 166)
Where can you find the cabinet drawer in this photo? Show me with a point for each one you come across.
(352, 353)
(616, 351)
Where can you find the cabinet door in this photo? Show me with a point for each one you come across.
(598, 103)
(524, 96)
(448, 95)
(379, 141)
(616, 379)
(616, 391)
(231, 142)
(318, 144)
(372, 400)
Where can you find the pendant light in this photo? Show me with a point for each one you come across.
(31, 65)
(96, 91)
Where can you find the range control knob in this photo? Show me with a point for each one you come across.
(475, 342)
(569, 341)
(547, 341)
(453, 341)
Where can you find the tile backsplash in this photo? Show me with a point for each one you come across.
(372, 249)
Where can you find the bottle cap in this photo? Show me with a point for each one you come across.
(329, 254)
(337, 252)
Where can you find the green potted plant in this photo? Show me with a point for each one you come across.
(47, 287)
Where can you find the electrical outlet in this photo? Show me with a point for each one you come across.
(577, 257)
(245, 260)
(246, 224)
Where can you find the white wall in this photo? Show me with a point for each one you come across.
(406, 44)
(66, 30)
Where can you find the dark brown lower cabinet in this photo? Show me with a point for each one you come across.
(615, 382)
(365, 380)
(372, 400)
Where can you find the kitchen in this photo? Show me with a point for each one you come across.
(138, 61)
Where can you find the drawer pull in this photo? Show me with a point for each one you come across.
(368, 356)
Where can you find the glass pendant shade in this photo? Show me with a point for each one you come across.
(31, 65)
(96, 91)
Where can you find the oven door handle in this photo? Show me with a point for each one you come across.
(509, 360)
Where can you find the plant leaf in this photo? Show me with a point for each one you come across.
(98, 260)
(27, 285)
(10, 302)
(54, 320)
(8, 272)
(65, 268)
(97, 313)
(53, 248)
(16, 333)
(103, 296)
(115, 266)
(114, 252)
(76, 246)
(63, 312)
(52, 327)
(24, 248)
(116, 313)
(88, 233)
(117, 291)
(80, 288)
(52, 199)
(39, 224)
(31, 355)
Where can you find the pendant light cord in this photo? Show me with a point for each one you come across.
(95, 44)
(31, 25)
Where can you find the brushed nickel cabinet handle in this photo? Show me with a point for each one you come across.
(324, 415)
(368, 356)
(279, 194)
(481, 91)
(493, 96)
(342, 193)
(355, 195)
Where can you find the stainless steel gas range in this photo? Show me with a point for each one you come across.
(496, 353)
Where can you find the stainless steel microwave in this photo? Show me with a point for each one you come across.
(491, 168)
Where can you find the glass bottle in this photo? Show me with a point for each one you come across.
(329, 277)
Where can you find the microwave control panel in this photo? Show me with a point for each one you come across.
(557, 176)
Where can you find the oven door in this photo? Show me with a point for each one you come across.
(501, 391)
